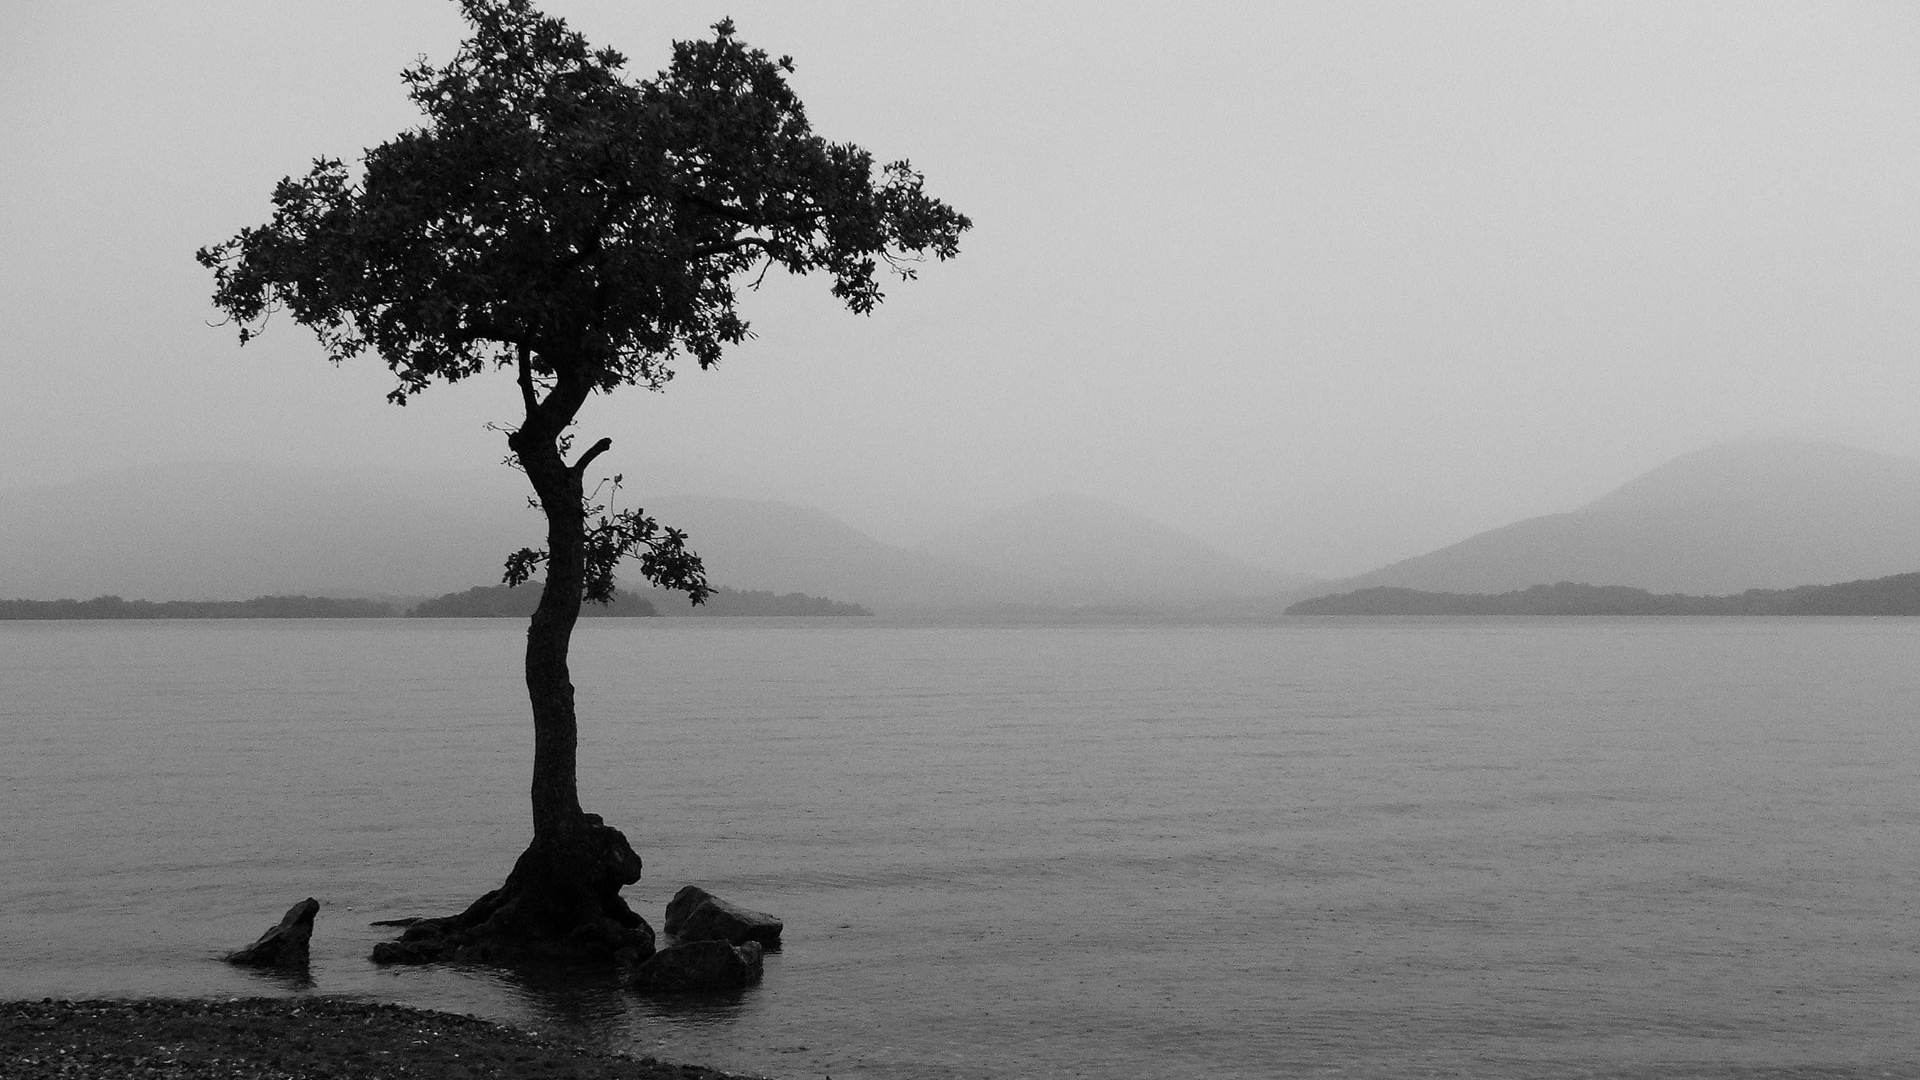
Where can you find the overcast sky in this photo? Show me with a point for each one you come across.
(1482, 259)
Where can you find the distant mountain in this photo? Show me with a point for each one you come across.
(1335, 531)
(227, 530)
(1898, 594)
(778, 547)
(1089, 551)
(1751, 515)
(217, 531)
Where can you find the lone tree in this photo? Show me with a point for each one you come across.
(554, 218)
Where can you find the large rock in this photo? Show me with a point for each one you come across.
(697, 966)
(284, 946)
(697, 915)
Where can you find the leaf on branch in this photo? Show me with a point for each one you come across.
(521, 564)
(611, 538)
(664, 558)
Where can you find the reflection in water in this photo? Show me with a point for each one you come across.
(585, 1003)
(714, 1008)
(593, 1007)
(282, 980)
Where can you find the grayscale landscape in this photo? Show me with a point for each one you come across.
(1119, 541)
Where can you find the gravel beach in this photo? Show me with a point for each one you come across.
(303, 1038)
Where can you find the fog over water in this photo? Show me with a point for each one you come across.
(1338, 271)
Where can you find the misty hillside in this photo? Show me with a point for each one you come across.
(224, 531)
(1095, 551)
(1895, 595)
(782, 548)
(1751, 515)
(1351, 528)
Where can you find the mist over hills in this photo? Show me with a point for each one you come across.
(1754, 515)
(1895, 595)
(1750, 515)
(222, 531)
(225, 531)
(1352, 528)
(779, 547)
(1097, 551)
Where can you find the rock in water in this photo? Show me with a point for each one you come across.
(697, 915)
(697, 966)
(284, 946)
(682, 904)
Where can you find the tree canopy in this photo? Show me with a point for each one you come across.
(553, 212)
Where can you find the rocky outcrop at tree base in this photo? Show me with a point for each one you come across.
(697, 915)
(557, 906)
(284, 946)
(700, 966)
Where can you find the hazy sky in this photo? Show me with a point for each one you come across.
(1486, 259)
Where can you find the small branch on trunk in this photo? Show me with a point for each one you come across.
(594, 451)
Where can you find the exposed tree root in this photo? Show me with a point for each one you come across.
(557, 906)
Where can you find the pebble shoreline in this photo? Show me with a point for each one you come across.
(306, 1038)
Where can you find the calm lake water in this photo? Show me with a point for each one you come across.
(1505, 848)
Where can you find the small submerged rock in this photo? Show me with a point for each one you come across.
(285, 945)
(697, 966)
(697, 915)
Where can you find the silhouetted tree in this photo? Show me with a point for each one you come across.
(553, 218)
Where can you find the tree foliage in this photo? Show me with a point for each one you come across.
(554, 212)
(614, 537)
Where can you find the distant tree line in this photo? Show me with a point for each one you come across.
(481, 602)
(725, 601)
(260, 607)
(516, 602)
(1896, 595)
(504, 601)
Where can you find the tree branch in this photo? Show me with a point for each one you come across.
(527, 396)
(745, 218)
(594, 451)
(596, 239)
(486, 330)
(727, 247)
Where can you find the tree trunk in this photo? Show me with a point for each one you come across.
(556, 733)
(562, 899)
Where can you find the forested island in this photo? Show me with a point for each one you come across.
(518, 602)
(725, 601)
(481, 602)
(1895, 595)
(260, 607)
